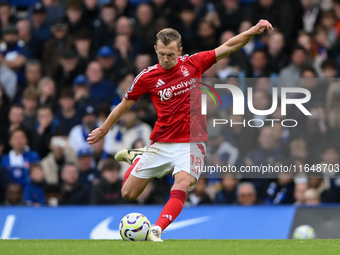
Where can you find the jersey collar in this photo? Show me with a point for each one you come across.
(173, 68)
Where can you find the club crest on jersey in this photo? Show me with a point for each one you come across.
(185, 71)
(165, 94)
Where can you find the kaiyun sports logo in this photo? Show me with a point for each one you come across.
(239, 106)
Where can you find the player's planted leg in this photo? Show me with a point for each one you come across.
(174, 206)
(133, 187)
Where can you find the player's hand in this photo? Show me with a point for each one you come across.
(96, 135)
(262, 25)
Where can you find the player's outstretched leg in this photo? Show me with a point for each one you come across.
(174, 206)
(128, 155)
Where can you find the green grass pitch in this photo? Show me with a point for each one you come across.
(168, 247)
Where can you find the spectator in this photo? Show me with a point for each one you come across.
(142, 62)
(14, 51)
(31, 41)
(101, 90)
(246, 194)
(311, 197)
(107, 190)
(14, 195)
(307, 42)
(104, 26)
(123, 27)
(227, 195)
(69, 66)
(314, 86)
(34, 190)
(99, 154)
(6, 17)
(298, 149)
(46, 126)
(278, 12)
(72, 193)
(186, 25)
(55, 10)
(84, 48)
(55, 46)
(123, 8)
(107, 59)
(52, 195)
(4, 181)
(266, 154)
(329, 69)
(47, 91)
(277, 58)
(198, 196)
(74, 16)
(33, 73)
(299, 192)
(206, 36)
(8, 79)
(330, 156)
(67, 114)
(328, 23)
(244, 138)
(40, 25)
(230, 13)
(88, 173)
(81, 88)
(144, 29)
(310, 15)
(15, 117)
(19, 158)
(258, 65)
(261, 101)
(90, 10)
(281, 191)
(123, 86)
(30, 103)
(61, 153)
(123, 135)
(293, 70)
(4, 112)
(79, 133)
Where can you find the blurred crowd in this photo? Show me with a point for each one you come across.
(65, 65)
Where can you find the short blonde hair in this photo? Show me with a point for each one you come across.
(168, 35)
(43, 82)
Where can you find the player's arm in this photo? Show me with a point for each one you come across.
(240, 40)
(99, 133)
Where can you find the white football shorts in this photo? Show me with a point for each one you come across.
(159, 159)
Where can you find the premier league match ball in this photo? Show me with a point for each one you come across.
(134, 227)
(304, 232)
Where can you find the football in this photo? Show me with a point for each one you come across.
(134, 227)
(304, 232)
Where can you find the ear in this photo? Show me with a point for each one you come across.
(155, 47)
(180, 51)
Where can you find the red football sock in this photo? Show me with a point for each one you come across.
(172, 208)
(128, 172)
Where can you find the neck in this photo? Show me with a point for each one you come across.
(18, 151)
(68, 113)
(29, 112)
(69, 187)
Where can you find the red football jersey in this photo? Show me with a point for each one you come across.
(172, 92)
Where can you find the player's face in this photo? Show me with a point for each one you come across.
(168, 54)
